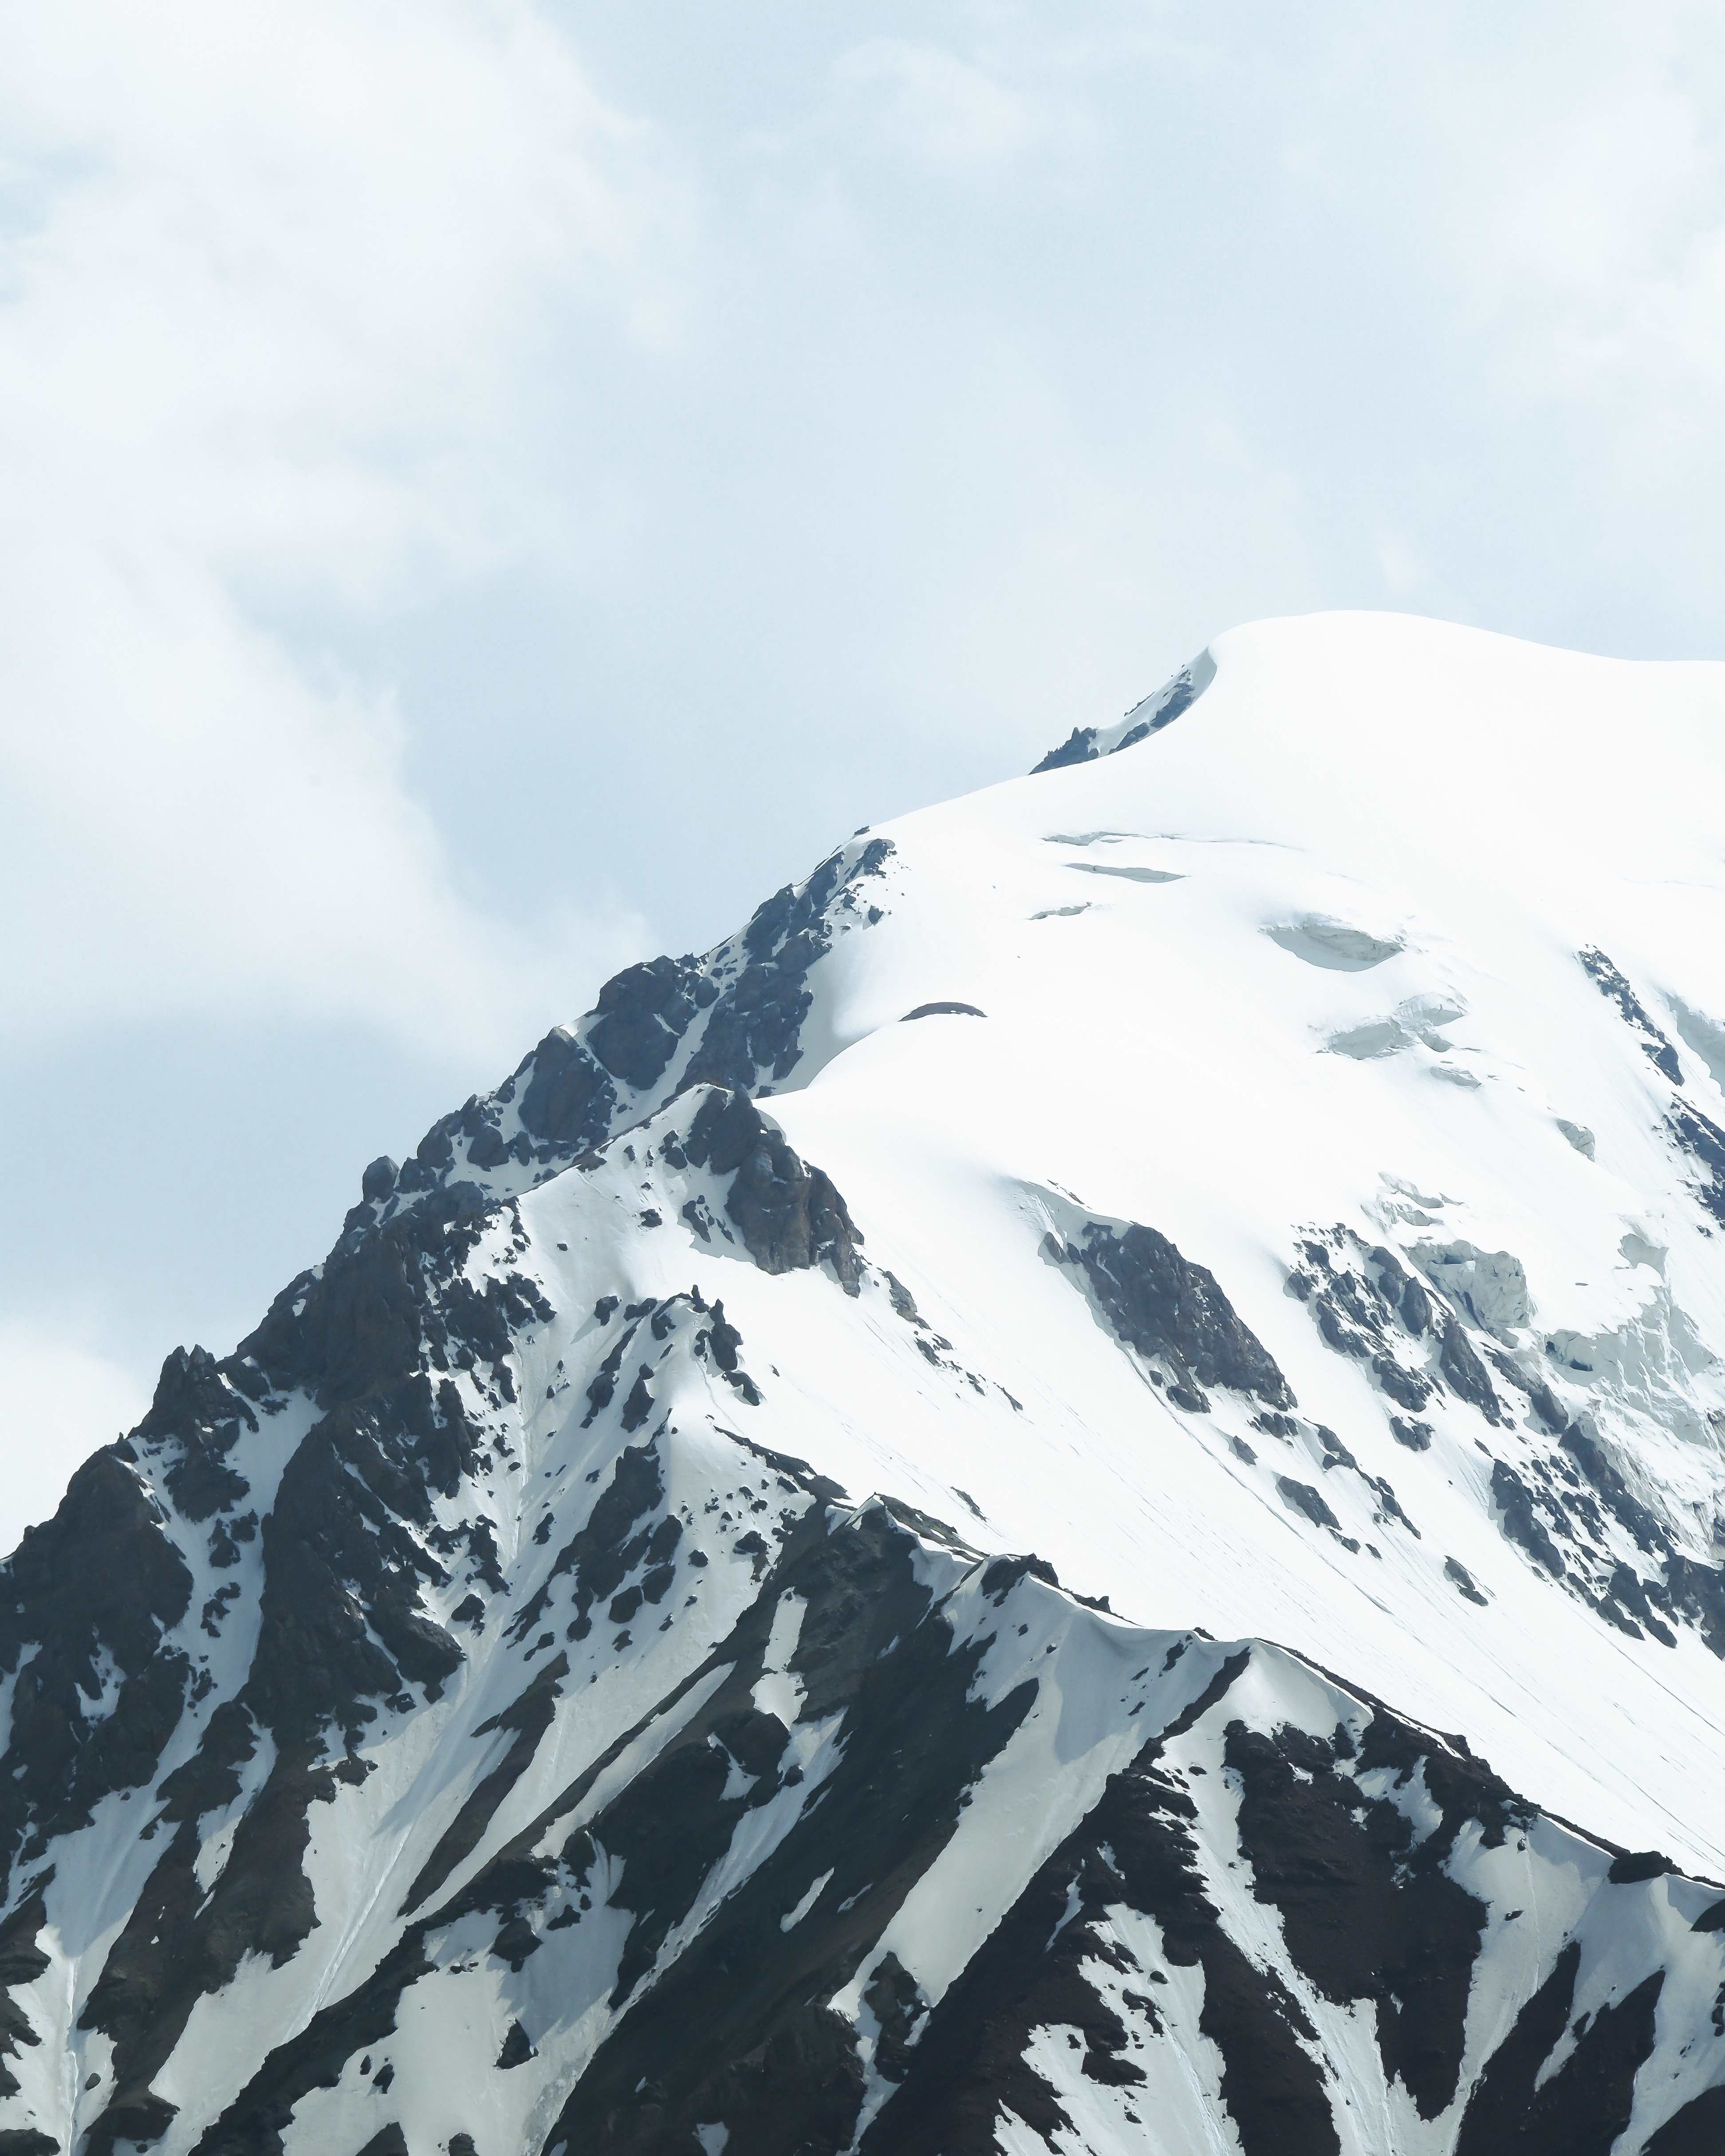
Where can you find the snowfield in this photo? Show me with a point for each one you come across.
(917, 1535)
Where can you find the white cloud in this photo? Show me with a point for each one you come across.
(60, 1399)
(1556, 173)
(276, 289)
(952, 115)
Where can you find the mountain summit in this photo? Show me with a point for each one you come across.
(915, 1537)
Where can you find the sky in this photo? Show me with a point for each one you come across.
(490, 489)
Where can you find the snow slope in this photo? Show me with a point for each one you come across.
(574, 1679)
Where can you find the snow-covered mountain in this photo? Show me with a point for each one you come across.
(915, 1537)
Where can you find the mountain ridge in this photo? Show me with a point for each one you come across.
(484, 1637)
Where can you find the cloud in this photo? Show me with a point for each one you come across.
(975, 118)
(60, 1399)
(276, 289)
(948, 112)
(1599, 258)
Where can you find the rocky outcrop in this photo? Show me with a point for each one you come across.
(1085, 744)
(789, 1214)
(88, 1600)
(1175, 1311)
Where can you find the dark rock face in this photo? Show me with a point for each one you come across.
(1136, 1849)
(730, 1018)
(196, 1402)
(1698, 2129)
(730, 2030)
(1612, 985)
(740, 2027)
(1583, 2108)
(1370, 1916)
(1166, 1307)
(1085, 744)
(1695, 1133)
(22, 1961)
(341, 1635)
(1704, 1142)
(568, 1100)
(626, 1528)
(378, 1183)
(1565, 1506)
(1463, 1581)
(180, 1944)
(526, 1720)
(1466, 1373)
(1301, 1498)
(643, 1014)
(1369, 1911)
(340, 1620)
(1515, 1508)
(384, 1306)
(783, 2071)
(102, 1579)
(1189, 685)
(1080, 746)
(752, 1034)
(789, 1214)
(1368, 1306)
(1589, 1456)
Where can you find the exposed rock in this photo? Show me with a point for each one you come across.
(1080, 746)
(195, 1404)
(22, 1961)
(526, 1721)
(1612, 985)
(1582, 2108)
(1368, 1912)
(101, 1578)
(1461, 1365)
(1300, 1497)
(568, 1100)
(1516, 1516)
(755, 1024)
(789, 1215)
(377, 1184)
(1085, 743)
(643, 1013)
(1704, 1142)
(1696, 2128)
(1165, 1307)
(740, 1024)
(1461, 1578)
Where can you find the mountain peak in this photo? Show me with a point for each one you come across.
(592, 1670)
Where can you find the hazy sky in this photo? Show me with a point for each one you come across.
(489, 490)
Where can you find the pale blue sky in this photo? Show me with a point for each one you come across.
(492, 489)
